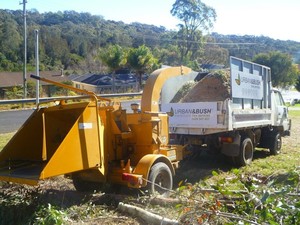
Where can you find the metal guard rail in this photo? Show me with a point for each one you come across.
(33, 100)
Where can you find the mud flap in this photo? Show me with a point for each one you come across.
(232, 149)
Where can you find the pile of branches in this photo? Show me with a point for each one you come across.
(243, 199)
(215, 86)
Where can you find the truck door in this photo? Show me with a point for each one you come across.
(281, 112)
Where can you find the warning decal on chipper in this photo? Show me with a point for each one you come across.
(85, 126)
(191, 114)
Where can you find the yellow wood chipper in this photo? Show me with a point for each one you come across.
(94, 141)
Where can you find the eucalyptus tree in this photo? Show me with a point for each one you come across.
(10, 38)
(196, 18)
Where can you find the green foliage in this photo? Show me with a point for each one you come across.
(214, 53)
(196, 17)
(15, 92)
(243, 199)
(282, 69)
(70, 40)
(49, 215)
(60, 91)
(141, 60)
(113, 56)
(247, 46)
(31, 89)
(194, 14)
(168, 56)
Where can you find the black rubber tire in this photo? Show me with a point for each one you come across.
(275, 145)
(160, 176)
(245, 156)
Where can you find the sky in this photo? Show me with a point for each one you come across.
(276, 19)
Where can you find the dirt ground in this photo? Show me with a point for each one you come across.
(84, 208)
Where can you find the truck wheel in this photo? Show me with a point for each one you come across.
(246, 153)
(275, 145)
(160, 180)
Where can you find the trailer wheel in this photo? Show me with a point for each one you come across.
(246, 153)
(275, 145)
(160, 179)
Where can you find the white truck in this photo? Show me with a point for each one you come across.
(252, 115)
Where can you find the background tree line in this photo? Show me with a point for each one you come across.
(76, 41)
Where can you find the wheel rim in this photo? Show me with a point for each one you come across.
(160, 179)
(161, 182)
(248, 152)
(278, 144)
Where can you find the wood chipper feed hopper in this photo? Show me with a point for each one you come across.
(93, 142)
(55, 140)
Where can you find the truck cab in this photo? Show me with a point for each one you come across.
(280, 112)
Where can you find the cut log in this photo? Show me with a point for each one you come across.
(148, 217)
(164, 201)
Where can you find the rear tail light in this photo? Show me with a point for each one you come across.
(133, 179)
(226, 139)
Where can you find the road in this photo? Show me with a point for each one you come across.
(11, 121)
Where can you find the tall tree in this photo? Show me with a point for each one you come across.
(196, 17)
(114, 57)
(141, 60)
(10, 38)
(284, 73)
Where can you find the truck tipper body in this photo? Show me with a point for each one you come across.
(252, 113)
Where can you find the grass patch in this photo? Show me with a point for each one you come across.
(4, 138)
(17, 106)
(294, 113)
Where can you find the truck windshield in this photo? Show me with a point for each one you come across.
(278, 98)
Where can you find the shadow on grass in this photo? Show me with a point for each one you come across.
(261, 154)
(201, 166)
(198, 167)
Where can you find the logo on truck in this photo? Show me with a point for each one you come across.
(191, 114)
(246, 85)
(238, 80)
